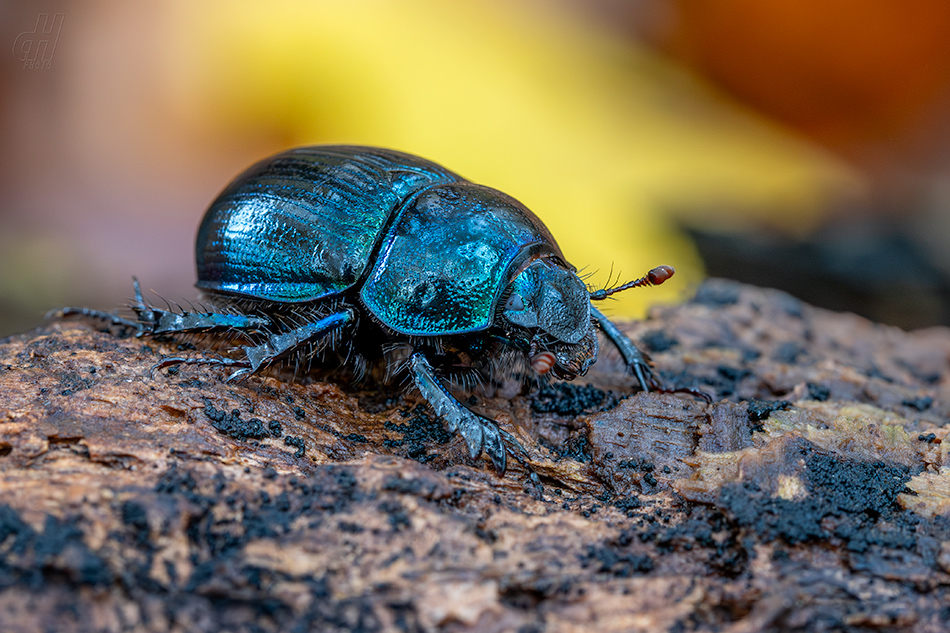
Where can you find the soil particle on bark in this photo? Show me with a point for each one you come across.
(811, 494)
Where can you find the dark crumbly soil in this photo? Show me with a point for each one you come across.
(808, 496)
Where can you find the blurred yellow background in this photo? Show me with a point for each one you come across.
(617, 124)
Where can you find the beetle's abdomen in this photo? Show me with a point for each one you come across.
(303, 224)
(447, 257)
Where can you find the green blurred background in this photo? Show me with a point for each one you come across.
(799, 145)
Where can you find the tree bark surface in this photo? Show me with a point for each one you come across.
(811, 494)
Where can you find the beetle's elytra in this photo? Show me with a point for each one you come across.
(367, 255)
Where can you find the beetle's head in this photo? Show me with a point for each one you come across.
(553, 304)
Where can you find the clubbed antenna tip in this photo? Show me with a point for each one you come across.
(653, 278)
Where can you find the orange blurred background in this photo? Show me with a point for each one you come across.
(860, 76)
(744, 137)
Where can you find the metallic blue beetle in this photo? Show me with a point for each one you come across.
(366, 254)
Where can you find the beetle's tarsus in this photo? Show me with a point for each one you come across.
(99, 315)
(521, 456)
(494, 447)
(239, 374)
(696, 393)
(178, 360)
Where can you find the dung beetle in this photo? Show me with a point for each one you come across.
(361, 257)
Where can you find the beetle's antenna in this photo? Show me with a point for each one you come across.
(653, 278)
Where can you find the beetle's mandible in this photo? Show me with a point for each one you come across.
(365, 255)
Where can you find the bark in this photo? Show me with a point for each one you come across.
(811, 494)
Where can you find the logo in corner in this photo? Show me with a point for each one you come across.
(35, 48)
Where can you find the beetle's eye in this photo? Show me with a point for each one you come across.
(515, 303)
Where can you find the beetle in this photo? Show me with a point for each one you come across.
(367, 255)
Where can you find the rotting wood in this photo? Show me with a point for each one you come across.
(811, 494)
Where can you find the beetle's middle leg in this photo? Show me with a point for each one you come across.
(275, 347)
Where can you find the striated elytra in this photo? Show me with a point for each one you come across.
(369, 257)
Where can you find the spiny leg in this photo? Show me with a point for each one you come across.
(157, 321)
(479, 433)
(632, 356)
(276, 346)
(139, 325)
(152, 320)
(167, 322)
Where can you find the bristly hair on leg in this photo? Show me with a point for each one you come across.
(359, 365)
(401, 368)
(396, 359)
(464, 378)
(509, 364)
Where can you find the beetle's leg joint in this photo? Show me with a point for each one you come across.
(278, 346)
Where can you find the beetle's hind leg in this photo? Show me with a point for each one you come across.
(274, 348)
(98, 315)
(153, 321)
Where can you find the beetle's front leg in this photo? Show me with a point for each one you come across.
(479, 433)
(636, 360)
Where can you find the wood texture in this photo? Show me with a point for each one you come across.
(812, 494)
